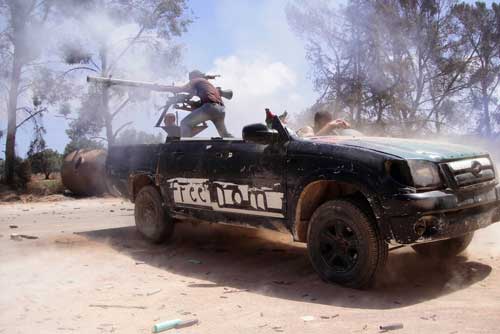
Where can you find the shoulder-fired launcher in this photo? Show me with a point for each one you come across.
(225, 93)
(129, 83)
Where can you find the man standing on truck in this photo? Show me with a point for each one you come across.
(324, 124)
(211, 109)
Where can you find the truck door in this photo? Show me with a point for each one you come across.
(184, 175)
(247, 179)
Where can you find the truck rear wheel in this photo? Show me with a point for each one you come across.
(444, 248)
(151, 218)
(344, 244)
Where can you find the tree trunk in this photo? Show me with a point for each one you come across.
(486, 123)
(108, 121)
(438, 123)
(47, 176)
(10, 145)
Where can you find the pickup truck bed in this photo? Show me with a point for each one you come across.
(127, 159)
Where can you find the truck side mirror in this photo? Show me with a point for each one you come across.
(260, 134)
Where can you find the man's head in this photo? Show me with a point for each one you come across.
(169, 119)
(322, 118)
(196, 74)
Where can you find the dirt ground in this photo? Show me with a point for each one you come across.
(90, 272)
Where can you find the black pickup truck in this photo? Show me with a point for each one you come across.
(349, 198)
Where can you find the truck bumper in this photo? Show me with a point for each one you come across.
(436, 215)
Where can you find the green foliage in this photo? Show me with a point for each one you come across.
(22, 173)
(88, 124)
(45, 162)
(82, 143)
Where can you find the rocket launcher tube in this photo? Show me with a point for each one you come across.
(129, 83)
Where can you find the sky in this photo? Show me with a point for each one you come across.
(249, 44)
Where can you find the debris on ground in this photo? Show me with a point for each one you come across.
(65, 242)
(118, 306)
(391, 327)
(25, 236)
(153, 292)
(19, 237)
(329, 317)
(13, 226)
(16, 237)
(307, 318)
(193, 261)
(175, 323)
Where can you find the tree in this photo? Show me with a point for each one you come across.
(84, 130)
(22, 42)
(156, 23)
(480, 29)
(22, 19)
(395, 64)
(46, 162)
(41, 159)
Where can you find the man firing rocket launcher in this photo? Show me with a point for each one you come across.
(210, 106)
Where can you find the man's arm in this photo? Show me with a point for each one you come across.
(336, 124)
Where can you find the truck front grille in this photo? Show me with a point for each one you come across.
(468, 172)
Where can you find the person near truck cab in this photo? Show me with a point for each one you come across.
(324, 124)
(170, 127)
(211, 109)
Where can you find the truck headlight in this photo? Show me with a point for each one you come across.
(425, 174)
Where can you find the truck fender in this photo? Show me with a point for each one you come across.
(136, 181)
(344, 184)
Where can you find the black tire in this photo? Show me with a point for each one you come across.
(151, 218)
(444, 249)
(344, 244)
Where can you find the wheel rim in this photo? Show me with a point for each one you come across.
(339, 246)
(148, 216)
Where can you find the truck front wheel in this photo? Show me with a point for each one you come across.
(151, 218)
(444, 248)
(344, 244)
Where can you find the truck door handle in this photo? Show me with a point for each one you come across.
(178, 153)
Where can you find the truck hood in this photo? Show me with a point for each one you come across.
(406, 148)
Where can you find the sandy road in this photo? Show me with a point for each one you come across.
(246, 281)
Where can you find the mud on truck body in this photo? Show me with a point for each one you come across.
(348, 198)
